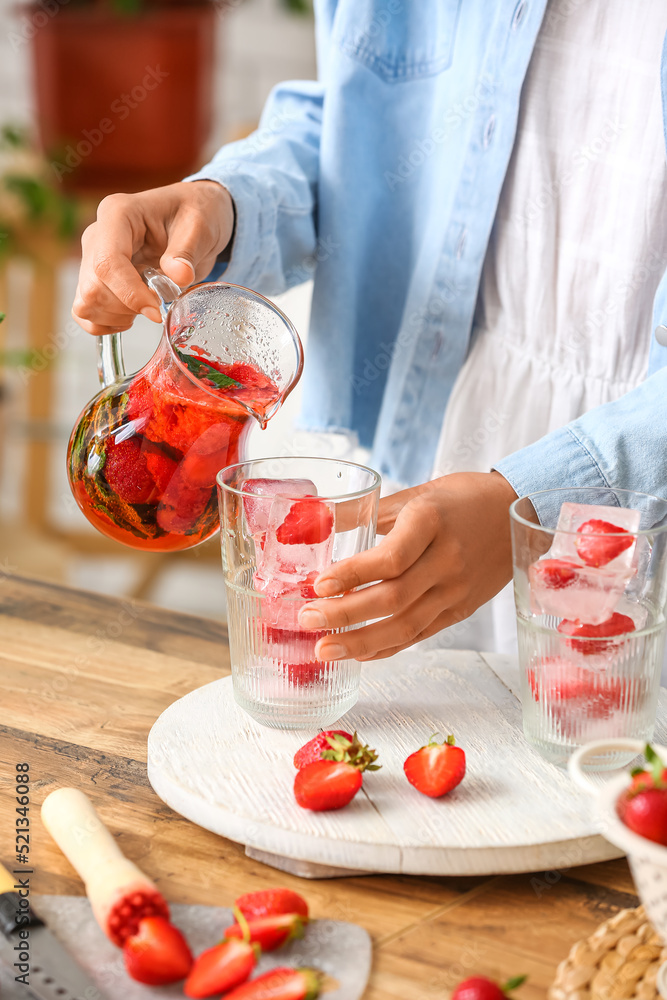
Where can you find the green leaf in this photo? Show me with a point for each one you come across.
(298, 6)
(33, 193)
(657, 765)
(513, 983)
(200, 369)
(13, 136)
(15, 358)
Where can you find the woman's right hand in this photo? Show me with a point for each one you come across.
(180, 228)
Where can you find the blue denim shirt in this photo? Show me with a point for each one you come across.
(382, 180)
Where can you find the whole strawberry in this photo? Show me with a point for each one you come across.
(481, 988)
(334, 780)
(436, 768)
(643, 806)
(601, 541)
(330, 739)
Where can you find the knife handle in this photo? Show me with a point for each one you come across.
(70, 818)
(10, 906)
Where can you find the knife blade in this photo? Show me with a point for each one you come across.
(51, 971)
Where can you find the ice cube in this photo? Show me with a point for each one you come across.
(257, 508)
(283, 597)
(569, 692)
(298, 540)
(569, 590)
(280, 635)
(594, 546)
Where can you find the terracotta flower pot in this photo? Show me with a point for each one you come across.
(124, 103)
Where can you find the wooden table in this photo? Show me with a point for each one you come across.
(82, 679)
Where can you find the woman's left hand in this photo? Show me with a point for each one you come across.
(446, 552)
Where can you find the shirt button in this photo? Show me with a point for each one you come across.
(661, 335)
(519, 13)
(489, 130)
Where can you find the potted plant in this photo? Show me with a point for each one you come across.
(123, 89)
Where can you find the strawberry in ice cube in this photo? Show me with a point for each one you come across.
(566, 689)
(599, 638)
(596, 535)
(600, 542)
(569, 590)
(258, 506)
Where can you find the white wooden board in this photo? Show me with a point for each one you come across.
(514, 812)
(339, 949)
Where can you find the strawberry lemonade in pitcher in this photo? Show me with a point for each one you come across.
(144, 454)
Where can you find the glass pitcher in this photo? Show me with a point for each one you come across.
(144, 453)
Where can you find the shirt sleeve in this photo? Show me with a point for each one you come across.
(622, 445)
(272, 177)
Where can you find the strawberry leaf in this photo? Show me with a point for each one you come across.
(513, 983)
(657, 766)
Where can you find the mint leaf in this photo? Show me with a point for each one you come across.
(200, 369)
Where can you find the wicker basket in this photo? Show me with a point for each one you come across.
(619, 961)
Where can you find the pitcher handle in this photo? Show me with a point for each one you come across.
(110, 365)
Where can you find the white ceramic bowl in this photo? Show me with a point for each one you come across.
(648, 860)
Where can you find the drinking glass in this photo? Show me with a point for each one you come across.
(591, 633)
(277, 677)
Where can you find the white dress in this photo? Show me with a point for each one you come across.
(563, 321)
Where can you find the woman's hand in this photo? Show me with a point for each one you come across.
(180, 228)
(447, 551)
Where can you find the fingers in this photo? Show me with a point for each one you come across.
(397, 632)
(389, 597)
(444, 620)
(186, 247)
(110, 290)
(108, 248)
(391, 506)
(180, 227)
(415, 528)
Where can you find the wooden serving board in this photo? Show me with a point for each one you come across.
(339, 949)
(514, 812)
